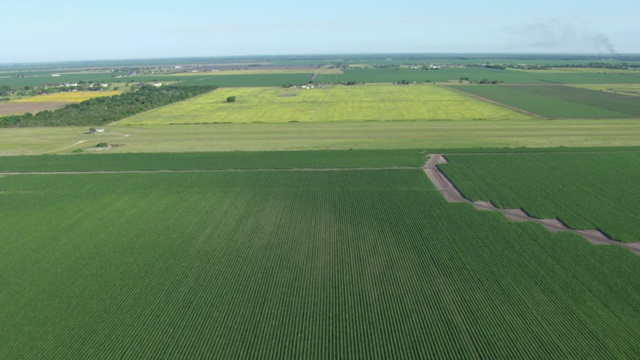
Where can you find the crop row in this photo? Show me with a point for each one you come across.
(352, 264)
(557, 101)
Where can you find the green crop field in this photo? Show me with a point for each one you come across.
(241, 160)
(20, 80)
(556, 101)
(509, 76)
(585, 191)
(333, 103)
(295, 264)
(251, 78)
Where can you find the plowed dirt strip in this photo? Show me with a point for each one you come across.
(452, 194)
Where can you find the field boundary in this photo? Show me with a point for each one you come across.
(523, 111)
(452, 194)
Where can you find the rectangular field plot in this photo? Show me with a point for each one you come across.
(307, 264)
(508, 76)
(585, 191)
(335, 103)
(35, 104)
(67, 97)
(621, 89)
(203, 161)
(243, 80)
(557, 101)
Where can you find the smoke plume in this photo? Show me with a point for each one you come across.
(559, 35)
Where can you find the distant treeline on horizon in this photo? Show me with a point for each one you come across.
(322, 58)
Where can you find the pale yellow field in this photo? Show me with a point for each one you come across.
(335, 103)
(622, 89)
(67, 97)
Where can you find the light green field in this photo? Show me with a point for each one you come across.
(260, 71)
(622, 89)
(335, 103)
(242, 72)
(328, 135)
(562, 70)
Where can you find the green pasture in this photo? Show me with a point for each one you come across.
(16, 80)
(585, 191)
(295, 264)
(251, 80)
(330, 135)
(556, 101)
(334, 103)
(621, 89)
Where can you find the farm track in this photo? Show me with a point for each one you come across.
(67, 147)
(452, 194)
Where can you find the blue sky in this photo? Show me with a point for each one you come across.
(40, 31)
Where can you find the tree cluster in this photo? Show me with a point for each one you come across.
(104, 110)
(5, 90)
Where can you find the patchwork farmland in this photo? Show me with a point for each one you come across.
(300, 222)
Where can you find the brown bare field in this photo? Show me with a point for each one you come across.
(11, 108)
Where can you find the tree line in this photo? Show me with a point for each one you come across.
(104, 110)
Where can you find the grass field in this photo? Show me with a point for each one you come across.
(335, 103)
(330, 135)
(295, 264)
(252, 80)
(622, 89)
(556, 101)
(585, 191)
(67, 97)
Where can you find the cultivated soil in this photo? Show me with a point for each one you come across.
(7, 108)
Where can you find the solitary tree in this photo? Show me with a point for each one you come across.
(231, 99)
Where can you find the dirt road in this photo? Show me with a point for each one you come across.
(452, 194)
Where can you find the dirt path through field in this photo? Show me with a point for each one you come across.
(452, 194)
(67, 147)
